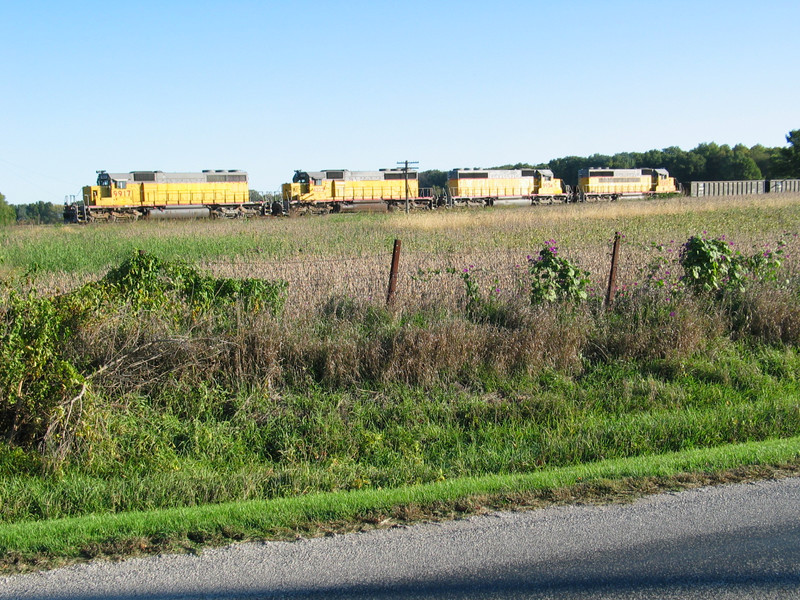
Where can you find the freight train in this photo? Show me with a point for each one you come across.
(225, 193)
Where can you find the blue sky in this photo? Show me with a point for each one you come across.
(270, 87)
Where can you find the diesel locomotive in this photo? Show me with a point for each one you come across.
(341, 190)
(154, 194)
(613, 184)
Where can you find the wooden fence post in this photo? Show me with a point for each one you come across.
(612, 276)
(393, 273)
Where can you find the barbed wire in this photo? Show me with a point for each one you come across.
(311, 258)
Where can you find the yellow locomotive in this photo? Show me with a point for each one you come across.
(488, 187)
(217, 193)
(613, 184)
(342, 190)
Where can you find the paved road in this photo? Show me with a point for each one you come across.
(738, 541)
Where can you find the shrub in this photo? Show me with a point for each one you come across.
(41, 392)
(128, 330)
(711, 265)
(554, 278)
(147, 281)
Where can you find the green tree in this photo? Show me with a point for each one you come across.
(624, 160)
(433, 179)
(719, 161)
(40, 213)
(787, 161)
(683, 165)
(763, 157)
(567, 168)
(7, 213)
(742, 164)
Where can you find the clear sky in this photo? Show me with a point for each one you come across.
(270, 87)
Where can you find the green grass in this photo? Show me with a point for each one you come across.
(90, 249)
(281, 518)
(188, 448)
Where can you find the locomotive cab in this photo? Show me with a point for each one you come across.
(300, 183)
(94, 195)
(546, 183)
(311, 186)
(661, 182)
(298, 186)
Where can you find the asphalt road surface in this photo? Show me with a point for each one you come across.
(735, 541)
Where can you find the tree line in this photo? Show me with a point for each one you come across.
(37, 213)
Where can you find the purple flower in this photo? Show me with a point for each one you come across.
(672, 314)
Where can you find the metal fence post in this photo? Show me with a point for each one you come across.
(393, 273)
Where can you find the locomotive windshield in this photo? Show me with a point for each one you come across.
(300, 177)
(103, 178)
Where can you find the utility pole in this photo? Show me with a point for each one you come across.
(406, 167)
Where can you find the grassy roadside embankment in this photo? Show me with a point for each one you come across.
(158, 406)
(42, 544)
